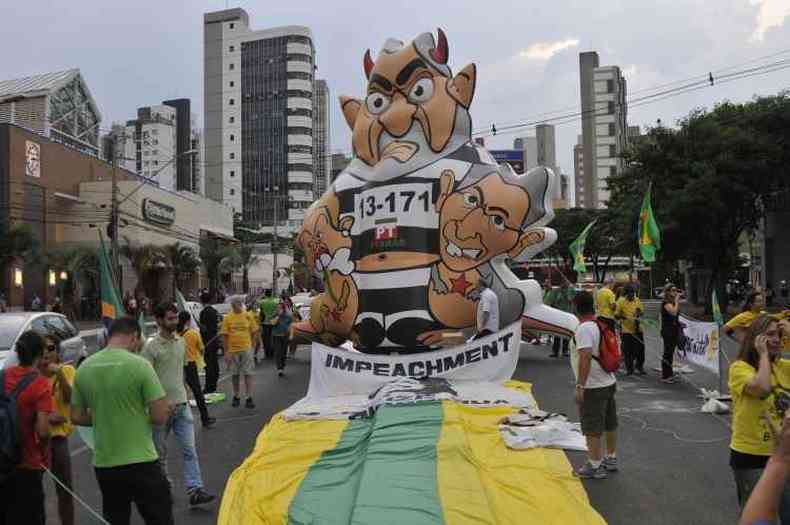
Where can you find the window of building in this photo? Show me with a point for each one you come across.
(145, 134)
(612, 170)
(232, 137)
(155, 152)
(231, 25)
(612, 150)
(611, 129)
(232, 155)
(232, 191)
(232, 83)
(232, 173)
(231, 66)
(146, 163)
(231, 119)
(155, 142)
(156, 163)
(610, 107)
(154, 132)
(232, 49)
(609, 86)
(231, 102)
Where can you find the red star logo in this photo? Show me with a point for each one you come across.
(460, 285)
(336, 315)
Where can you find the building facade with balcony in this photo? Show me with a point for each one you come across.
(259, 119)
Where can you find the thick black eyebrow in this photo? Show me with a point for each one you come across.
(381, 81)
(408, 69)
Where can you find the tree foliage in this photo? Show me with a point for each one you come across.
(711, 177)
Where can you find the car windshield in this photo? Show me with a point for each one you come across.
(10, 325)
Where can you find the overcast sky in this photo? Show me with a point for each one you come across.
(139, 53)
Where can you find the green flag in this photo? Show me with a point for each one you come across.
(111, 306)
(716, 309)
(649, 234)
(577, 249)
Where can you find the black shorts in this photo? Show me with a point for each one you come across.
(598, 413)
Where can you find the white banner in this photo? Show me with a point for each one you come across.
(406, 391)
(338, 372)
(701, 346)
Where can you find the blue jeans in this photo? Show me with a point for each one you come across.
(182, 425)
(746, 480)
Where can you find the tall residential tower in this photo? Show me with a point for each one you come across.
(604, 127)
(258, 88)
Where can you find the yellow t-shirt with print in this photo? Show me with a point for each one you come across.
(626, 310)
(605, 303)
(750, 433)
(62, 408)
(238, 328)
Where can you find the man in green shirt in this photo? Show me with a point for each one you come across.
(118, 394)
(167, 353)
(268, 317)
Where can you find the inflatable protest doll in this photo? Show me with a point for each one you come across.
(421, 215)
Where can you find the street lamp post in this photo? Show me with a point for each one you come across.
(272, 195)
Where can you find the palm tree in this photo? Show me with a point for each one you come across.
(81, 264)
(183, 261)
(16, 242)
(143, 258)
(217, 256)
(246, 259)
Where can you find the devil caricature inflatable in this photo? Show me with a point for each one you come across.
(421, 215)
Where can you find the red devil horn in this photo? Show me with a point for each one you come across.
(368, 63)
(439, 53)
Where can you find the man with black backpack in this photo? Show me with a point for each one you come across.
(595, 355)
(25, 405)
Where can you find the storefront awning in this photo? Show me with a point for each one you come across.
(218, 232)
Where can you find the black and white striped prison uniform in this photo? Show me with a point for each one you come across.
(399, 215)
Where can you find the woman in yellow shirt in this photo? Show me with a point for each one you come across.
(759, 382)
(738, 325)
(61, 375)
(194, 360)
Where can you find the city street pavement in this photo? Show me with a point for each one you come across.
(674, 459)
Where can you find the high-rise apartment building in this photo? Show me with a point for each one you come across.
(258, 88)
(322, 165)
(578, 173)
(149, 145)
(604, 126)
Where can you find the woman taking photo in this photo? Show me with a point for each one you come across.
(670, 331)
(759, 382)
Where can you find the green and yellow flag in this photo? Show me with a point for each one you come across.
(425, 463)
(716, 309)
(577, 249)
(111, 305)
(649, 234)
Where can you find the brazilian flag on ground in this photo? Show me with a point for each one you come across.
(577, 249)
(111, 305)
(649, 234)
(429, 462)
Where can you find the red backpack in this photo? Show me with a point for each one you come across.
(609, 355)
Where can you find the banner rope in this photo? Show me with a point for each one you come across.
(74, 495)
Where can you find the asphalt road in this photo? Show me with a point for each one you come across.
(673, 458)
